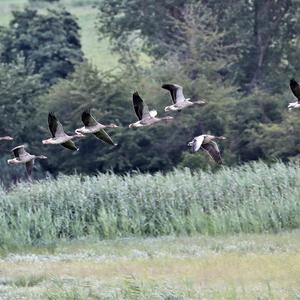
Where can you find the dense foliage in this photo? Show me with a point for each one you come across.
(252, 198)
(241, 65)
(50, 43)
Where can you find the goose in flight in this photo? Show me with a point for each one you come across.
(179, 101)
(23, 157)
(145, 116)
(59, 137)
(207, 143)
(6, 138)
(294, 86)
(91, 126)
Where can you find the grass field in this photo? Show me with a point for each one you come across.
(264, 266)
(97, 52)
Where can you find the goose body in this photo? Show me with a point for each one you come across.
(23, 157)
(207, 143)
(6, 138)
(294, 86)
(146, 117)
(59, 137)
(179, 100)
(91, 126)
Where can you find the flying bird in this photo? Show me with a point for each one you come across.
(91, 126)
(59, 137)
(207, 143)
(23, 157)
(179, 100)
(6, 138)
(145, 116)
(294, 86)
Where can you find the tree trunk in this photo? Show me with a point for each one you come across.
(267, 17)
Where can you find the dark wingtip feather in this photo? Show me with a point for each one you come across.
(293, 82)
(87, 111)
(166, 86)
(51, 114)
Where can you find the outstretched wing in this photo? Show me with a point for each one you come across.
(295, 88)
(19, 151)
(87, 119)
(140, 108)
(196, 143)
(176, 92)
(103, 136)
(213, 150)
(55, 126)
(70, 145)
(29, 167)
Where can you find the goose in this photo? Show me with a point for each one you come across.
(145, 116)
(59, 137)
(23, 157)
(178, 98)
(94, 127)
(296, 91)
(207, 142)
(6, 138)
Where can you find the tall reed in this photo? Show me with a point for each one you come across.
(250, 198)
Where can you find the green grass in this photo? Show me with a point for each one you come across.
(242, 266)
(250, 198)
(97, 52)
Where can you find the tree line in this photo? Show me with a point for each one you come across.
(239, 55)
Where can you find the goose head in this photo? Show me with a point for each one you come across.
(42, 157)
(221, 138)
(167, 118)
(47, 142)
(112, 125)
(135, 125)
(6, 138)
(202, 102)
(78, 134)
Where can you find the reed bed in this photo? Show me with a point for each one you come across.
(250, 198)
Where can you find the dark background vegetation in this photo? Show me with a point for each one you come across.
(239, 55)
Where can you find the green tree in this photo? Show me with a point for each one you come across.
(18, 109)
(266, 33)
(127, 21)
(18, 99)
(50, 42)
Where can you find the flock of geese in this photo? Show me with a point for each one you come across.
(145, 116)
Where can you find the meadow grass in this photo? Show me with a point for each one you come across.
(250, 198)
(240, 266)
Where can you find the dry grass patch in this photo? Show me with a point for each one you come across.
(263, 266)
